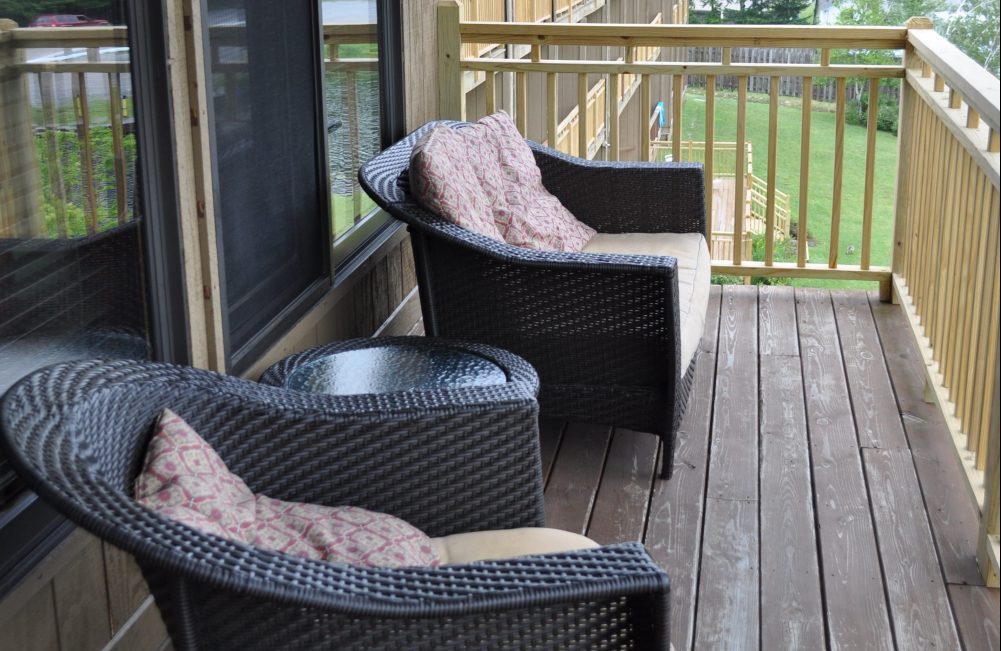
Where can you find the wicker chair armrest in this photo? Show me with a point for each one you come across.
(509, 600)
(435, 459)
(626, 197)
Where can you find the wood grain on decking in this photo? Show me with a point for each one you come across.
(814, 502)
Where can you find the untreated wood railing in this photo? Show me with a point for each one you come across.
(944, 264)
(568, 134)
(79, 193)
(946, 258)
(625, 40)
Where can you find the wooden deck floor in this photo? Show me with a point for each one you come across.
(816, 501)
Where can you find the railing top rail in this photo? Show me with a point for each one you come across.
(69, 37)
(978, 87)
(625, 35)
(688, 68)
(366, 31)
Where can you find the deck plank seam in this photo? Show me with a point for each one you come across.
(601, 479)
(705, 480)
(921, 486)
(865, 477)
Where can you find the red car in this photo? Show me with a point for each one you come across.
(66, 20)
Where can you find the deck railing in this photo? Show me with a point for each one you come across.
(946, 241)
(945, 246)
(76, 185)
(66, 119)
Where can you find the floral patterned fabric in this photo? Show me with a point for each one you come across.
(184, 479)
(484, 178)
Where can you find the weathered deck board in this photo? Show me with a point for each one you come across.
(573, 481)
(777, 321)
(954, 518)
(620, 508)
(877, 419)
(791, 611)
(728, 605)
(729, 582)
(977, 611)
(733, 472)
(674, 528)
(916, 591)
(843, 556)
(852, 580)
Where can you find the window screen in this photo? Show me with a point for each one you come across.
(263, 61)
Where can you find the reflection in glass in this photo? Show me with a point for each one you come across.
(351, 97)
(71, 281)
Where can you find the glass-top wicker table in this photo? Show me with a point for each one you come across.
(386, 365)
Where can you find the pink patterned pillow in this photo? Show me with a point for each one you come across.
(184, 479)
(485, 176)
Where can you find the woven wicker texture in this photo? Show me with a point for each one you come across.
(602, 330)
(446, 461)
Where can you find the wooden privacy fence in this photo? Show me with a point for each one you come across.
(945, 249)
(788, 86)
(945, 262)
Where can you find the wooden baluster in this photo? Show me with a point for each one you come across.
(117, 144)
(773, 139)
(964, 351)
(870, 171)
(804, 173)
(987, 263)
(645, 100)
(613, 117)
(582, 114)
(451, 96)
(739, 172)
(676, 125)
(972, 118)
(988, 421)
(709, 153)
(47, 97)
(491, 93)
(521, 102)
(81, 107)
(839, 157)
(552, 121)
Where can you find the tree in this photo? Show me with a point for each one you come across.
(973, 28)
(753, 12)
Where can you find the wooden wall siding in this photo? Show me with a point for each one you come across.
(420, 61)
(86, 595)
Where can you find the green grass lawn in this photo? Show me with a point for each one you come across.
(344, 211)
(821, 175)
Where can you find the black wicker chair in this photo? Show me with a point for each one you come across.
(446, 461)
(602, 330)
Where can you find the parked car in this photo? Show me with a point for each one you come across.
(66, 20)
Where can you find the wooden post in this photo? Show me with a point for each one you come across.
(905, 140)
(20, 178)
(987, 544)
(450, 95)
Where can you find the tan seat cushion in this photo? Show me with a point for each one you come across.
(694, 270)
(492, 545)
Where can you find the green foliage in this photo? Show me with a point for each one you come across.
(857, 113)
(753, 12)
(973, 28)
(68, 159)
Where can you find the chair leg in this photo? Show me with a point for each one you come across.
(667, 461)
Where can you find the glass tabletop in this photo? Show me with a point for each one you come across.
(388, 369)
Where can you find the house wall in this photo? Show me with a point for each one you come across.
(89, 595)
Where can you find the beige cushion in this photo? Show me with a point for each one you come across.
(492, 545)
(694, 270)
